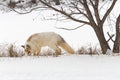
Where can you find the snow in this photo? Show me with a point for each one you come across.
(65, 67)
(15, 28)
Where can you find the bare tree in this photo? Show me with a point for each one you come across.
(116, 48)
(87, 12)
(90, 10)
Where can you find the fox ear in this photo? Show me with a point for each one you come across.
(23, 46)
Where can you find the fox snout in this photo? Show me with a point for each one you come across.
(26, 49)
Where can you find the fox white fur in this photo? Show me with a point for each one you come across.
(36, 41)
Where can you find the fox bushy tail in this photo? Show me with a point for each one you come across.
(66, 47)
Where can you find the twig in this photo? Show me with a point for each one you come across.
(27, 11)
(110, 37)
(70, 29)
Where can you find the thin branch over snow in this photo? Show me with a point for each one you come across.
(27, 11)
(72, 28)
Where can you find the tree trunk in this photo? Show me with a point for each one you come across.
(116, 47)
(103, 43)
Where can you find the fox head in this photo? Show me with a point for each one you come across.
(27, 49)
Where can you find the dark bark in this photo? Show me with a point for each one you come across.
(33, 1)
(116, 48)
(102, 41)
(57, 2)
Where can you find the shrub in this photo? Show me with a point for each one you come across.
(10, 50)
(90, 50)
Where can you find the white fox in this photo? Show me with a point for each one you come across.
(36, 41)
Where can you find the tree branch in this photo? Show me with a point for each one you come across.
(110, 37)
(95, 7)
(108, 11)
(81, 12)
(64, 13)
(90, 17)
(70, 29)
(27, 11)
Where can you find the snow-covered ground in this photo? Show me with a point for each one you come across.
(65, 67)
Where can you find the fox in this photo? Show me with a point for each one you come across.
(53, 40)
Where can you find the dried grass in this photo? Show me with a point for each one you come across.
(10, 50)
(89, 50)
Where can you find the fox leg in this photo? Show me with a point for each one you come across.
(37, 51)
(56, 49)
